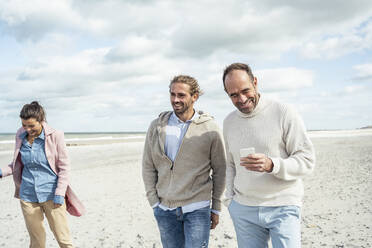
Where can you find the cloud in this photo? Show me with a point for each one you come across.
(363, 72)
(91, 67)
(133, 47)
(284, 79)
(339, 45)
(111, 61)
(354, 89)
(34, 19)
(87, 84)
(265, 28)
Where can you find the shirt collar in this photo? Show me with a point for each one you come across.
(23, 135)
(41, 136)
(174, 118)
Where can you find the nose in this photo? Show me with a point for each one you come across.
(242, 98)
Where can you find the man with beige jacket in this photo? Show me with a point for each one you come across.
(183, 169)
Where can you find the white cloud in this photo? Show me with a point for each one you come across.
(36, 18)
(354, 89)
(363, 72)
(265, 28)
(338, 46)
(96, 60)
(284, 79)
(133, 47)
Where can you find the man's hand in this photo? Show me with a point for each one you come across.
(214, 220)
(257, 162)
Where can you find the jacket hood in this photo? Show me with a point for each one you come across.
(200, 117)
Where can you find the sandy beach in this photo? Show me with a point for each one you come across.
(337, 210)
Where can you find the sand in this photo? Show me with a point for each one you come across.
(107, 178)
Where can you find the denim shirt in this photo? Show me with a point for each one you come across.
(39, 181)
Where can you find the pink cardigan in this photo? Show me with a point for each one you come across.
(56, 153)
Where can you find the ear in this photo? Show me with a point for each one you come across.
(195, 97)
(255, 82)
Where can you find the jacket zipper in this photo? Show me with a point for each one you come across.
(171, 174)
(179, 149)
(173, 163)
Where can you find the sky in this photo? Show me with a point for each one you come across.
(103, 66)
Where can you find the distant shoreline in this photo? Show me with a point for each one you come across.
(367, 127)
(126, 132)
(144, 132)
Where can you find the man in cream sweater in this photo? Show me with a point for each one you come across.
(264, 188)
(183, 169)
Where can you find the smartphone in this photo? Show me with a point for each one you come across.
(244, 152)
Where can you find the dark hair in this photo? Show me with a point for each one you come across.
(237, 66)
(192, 82)
(33, 110)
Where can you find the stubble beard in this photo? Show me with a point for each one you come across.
(181, 110)
(253, 104)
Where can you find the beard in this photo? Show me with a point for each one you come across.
(180, 107)
(248, 106)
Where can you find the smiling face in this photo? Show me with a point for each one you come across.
(181, 100)
(32, 127)
(242, 90)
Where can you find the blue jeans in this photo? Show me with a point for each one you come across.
(179, 230)
(255, 225)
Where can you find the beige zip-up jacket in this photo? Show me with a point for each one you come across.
(198, 171)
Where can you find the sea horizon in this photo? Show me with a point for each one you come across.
(144, 132)
(94, 132)
(8, 138)
(72, 138)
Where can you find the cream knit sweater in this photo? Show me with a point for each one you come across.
(277, 131)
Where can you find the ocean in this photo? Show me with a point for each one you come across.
(96, 138)
(7, 139)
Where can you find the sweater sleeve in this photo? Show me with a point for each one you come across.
(301, 158)
(149, 172)
(218, 163)
(230, 172)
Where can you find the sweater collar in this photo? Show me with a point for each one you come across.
(262, 103)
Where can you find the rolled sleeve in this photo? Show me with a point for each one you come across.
(58, 199)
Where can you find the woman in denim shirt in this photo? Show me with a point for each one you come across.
(40, 170)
